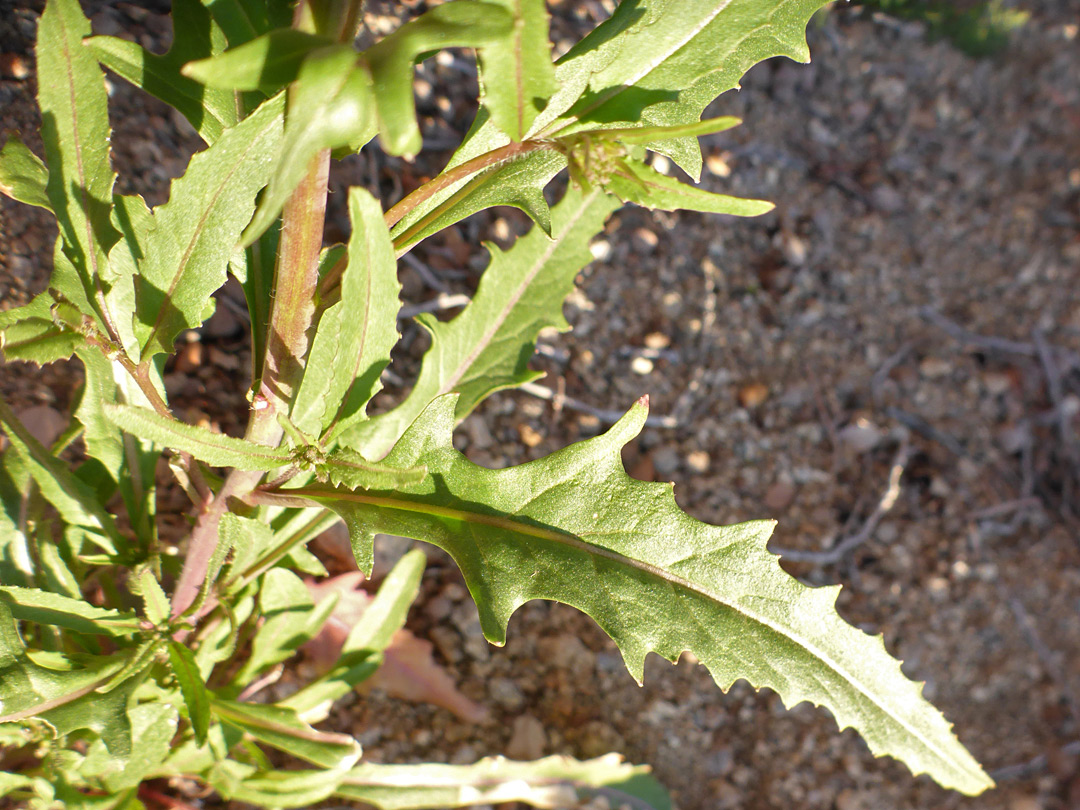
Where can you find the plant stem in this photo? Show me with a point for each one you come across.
(295, 281)
(295, 284)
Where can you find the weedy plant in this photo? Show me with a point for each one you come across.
(123, 660)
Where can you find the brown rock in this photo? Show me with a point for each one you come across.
(528, 739)
(779, 495)
(753, 394)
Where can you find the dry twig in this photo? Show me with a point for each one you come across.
(848, 544)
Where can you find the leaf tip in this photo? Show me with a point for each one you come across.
(643, 402)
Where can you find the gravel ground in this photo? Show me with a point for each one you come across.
(912, 306)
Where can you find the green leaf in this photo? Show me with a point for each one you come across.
(153, 726)
(76, 502)
(42, 607)
(314, 702)
(128, 460)
(155, 602)
(29, 333)
(637, 183)
(487, 347)
(196, 231)
(282, 729)
(651, 135)
(277, 789)
(360, 654)
(516, 74)
(347, 468)
(684, 54)
(266, 63)
(215, 449)
(193, 689)
(550, 782)
(354, 337)
(518, 183)
(386, 613)
(291, 619)
(75, 131)
(63, 695)
(243, 20)
(463, 24)
(23, 176)
(211, 111)
(662, 63)
(575, 528)
(331, 104)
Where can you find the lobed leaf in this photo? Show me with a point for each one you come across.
(215, 449)
(575, 528)
(661, 63)
(695, 50)
(354, 337)
(516, 74)
(23, 175)
(487, 347)
(196, 231)
(210, 110)
(551, 782)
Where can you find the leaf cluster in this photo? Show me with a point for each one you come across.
(126, 656)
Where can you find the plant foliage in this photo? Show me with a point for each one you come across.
(120, 663)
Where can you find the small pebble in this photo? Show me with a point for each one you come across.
(753, 394)
(13, 66)
(641, 365)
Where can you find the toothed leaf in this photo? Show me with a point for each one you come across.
(75, 131)
(196, 231)
(487, 347)
(215, 449)
(210, 110)
(575, 528)
(354, 337)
